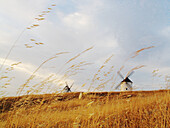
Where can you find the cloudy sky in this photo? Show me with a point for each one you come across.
(33, 32)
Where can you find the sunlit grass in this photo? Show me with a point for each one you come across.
(128, 109)
(79, 109)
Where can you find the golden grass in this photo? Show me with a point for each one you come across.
(140, 50)
(97, 76)
(78, 55)
(85, 110)
(40, 18)
(147, 109)
(33, 74)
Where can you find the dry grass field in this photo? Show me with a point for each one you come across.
(33, 108)
(136, 109)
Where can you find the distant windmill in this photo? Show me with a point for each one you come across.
(67, 88)
(126, 83)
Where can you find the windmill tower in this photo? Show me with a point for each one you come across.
(126, 83)
(67, 88)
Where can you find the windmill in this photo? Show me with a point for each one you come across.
(67, 88)
(126, 83)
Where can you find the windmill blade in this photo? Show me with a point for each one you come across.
(120, 75)
(65, 88)
(66, 84)
(129, 86)
(118, 86)
(71, 85)
(130, 74)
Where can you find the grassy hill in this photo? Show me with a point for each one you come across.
(136, 109)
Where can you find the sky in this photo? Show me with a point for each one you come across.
(33, 33)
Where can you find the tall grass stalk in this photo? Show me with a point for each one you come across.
(125, 110)
(33, 74)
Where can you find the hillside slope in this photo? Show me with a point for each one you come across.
(94, 109)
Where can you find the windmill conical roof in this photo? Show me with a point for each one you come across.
(127, 80)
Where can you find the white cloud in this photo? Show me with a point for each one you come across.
(166, 32)
(27, 70)
(114, 27)
(23, 68)
(76, 20)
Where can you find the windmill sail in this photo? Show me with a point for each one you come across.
(120, 75)
(130, 74)
(71, 85)
(118, 86)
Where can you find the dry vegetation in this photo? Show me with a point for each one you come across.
(140, 109)
(137, 109)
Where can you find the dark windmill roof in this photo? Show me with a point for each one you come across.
(127, 80)
(66, 88)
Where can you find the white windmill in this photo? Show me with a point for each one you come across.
(67, 88)
(126, 83)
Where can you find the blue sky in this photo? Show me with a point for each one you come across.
(111, 26)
